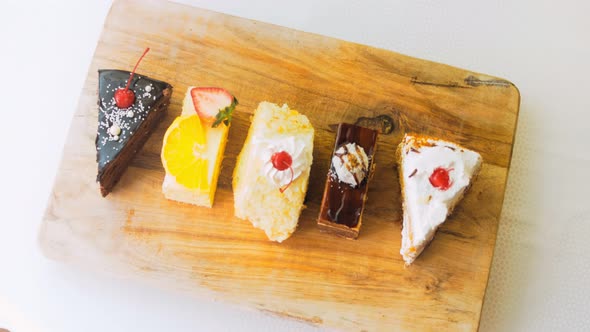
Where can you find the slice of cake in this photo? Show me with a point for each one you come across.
(346, 187)
(129, 108)
(194, 144)
(272, 170)
(434, 175)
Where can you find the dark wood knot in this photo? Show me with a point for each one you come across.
(382, 123)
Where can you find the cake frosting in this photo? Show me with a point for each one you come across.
(294, 146)
(351, 164)
(435, 175)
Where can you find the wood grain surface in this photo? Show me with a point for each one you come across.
(313, 277)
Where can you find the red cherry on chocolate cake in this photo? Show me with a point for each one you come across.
(124, 98)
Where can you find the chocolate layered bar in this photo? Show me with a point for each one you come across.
(346, 187)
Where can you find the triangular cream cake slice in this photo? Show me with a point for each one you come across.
(434, 176)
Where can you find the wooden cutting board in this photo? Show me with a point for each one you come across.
(313, 277)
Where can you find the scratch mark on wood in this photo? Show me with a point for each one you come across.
(315, 320)
(473, 81)
(415, 80)
(457, 234)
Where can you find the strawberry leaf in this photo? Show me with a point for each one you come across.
(225, 115)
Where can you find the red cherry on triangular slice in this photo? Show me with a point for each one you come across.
(440, 178)
(124, 98)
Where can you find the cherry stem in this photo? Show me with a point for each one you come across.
(282, 190)
(134, 68)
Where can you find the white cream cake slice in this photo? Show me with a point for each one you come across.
(272, 170)
(434, 176)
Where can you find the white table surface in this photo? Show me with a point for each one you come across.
(539, 279)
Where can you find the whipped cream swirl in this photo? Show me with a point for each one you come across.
(351, 164)
(290, 145)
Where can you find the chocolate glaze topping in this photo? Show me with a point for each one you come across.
(128, 119)
(343, 204)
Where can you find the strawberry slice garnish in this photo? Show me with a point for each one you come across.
(214, 105)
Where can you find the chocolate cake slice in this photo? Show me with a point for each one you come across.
(346, 187)
(123, 131)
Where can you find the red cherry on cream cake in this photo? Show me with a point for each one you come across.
(282, 161)
(440, 178)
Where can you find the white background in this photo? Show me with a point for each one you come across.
(539, 278)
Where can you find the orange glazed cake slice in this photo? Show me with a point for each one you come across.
(434, 176)
(194, 144)
(272, 170)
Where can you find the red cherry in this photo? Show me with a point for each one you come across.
(440, 178)
(281, 160)
(124, 98)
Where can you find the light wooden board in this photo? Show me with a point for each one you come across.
(314, 277)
